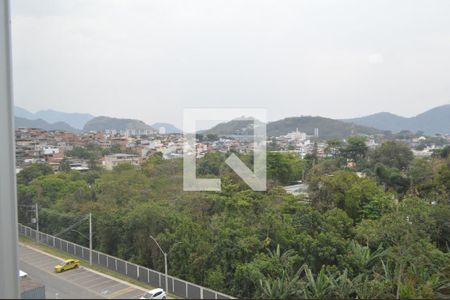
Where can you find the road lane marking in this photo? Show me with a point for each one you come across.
(97, 282)
(85, 279)
(131, 295)
(34, 260)
(71, 272)
(28, 253)
(116, 287)
(31, 258)
(74, 273)
(117, 284)
(45, 265)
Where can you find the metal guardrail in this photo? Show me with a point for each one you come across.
(176, 286)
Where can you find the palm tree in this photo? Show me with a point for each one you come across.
(365, 257)
(318, 287)
(283, 286)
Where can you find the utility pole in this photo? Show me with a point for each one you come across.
(90, 238)
(37, 222)
(9, 271)
(165, 272)
(165, 263)
(87, 217)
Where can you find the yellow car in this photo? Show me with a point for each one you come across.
(67, 265)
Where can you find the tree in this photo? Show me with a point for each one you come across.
(315, 153)
(443, 177)
(423, 173)
(380, 204)
(441, 215)
(333, 147)
(344, 190)
(392, 179)
(355, 149)
(211, 164)
(282, 283)
(412, 264)
(212, 137)
(393, 155)
(337, 221)
(363, 259)
(443, 153)
(284, 168)
(64, 166)
(324, 167)
(32, 172)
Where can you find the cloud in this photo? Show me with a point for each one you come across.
(150, 59)
(376, 58)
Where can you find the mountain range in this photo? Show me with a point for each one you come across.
(436, 120)
(328, 128)
(75, 120)
(42, 124)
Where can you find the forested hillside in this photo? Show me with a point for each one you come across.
(107, 123)
(380, 233)
(328, 128)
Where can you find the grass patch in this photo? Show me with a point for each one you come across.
(85, 263)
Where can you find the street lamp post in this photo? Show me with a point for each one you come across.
(90, 238)
(37, 222)
(165, 262)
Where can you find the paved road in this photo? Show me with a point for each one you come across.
(296, 189)
(79, 283)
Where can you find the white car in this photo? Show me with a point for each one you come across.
(155, 294)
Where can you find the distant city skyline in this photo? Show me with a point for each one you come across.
(149, 60)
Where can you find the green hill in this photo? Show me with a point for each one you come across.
(233, 127)
(107, 123)
(328, 128)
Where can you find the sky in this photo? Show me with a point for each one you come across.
(151, 59)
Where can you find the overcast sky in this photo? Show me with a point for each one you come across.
(150, 59)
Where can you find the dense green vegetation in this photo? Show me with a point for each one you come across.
(384, 234)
